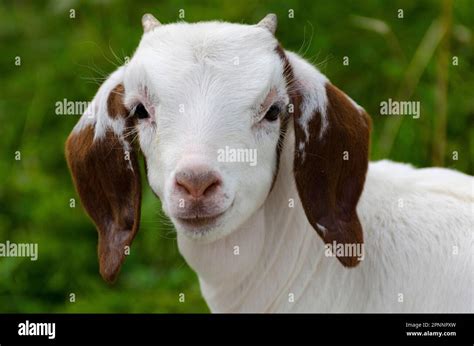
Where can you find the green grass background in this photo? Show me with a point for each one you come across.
(63, 57)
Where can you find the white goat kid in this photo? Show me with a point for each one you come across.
(248, 230)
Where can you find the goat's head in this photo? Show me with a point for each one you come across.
(209, 104)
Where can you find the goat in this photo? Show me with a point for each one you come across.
(204, 98)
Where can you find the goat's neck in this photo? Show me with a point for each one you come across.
(258, 265)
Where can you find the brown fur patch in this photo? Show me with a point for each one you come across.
(109, 187)
(115, 104)
(329, 185)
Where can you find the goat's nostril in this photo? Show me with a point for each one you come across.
(211, 188)
(198, 184)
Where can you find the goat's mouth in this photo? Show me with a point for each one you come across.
(198, 226)
(198, 222)
(195, 223)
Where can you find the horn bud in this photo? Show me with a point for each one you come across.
(149, 22)
(269, 22)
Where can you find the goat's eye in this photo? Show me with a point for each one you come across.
(140, 112)
(273, 113)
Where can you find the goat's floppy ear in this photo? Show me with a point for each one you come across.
(331, 159)
(105, 171)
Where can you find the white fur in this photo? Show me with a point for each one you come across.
(312, 83)
(409, 250)
(202, 77)
(96, 112)
(203, 84)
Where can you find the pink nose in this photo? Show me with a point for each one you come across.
(198, 181)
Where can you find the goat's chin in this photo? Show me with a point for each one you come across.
(205, 233)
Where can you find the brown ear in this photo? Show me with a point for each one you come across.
(105, 171)
(330, 165)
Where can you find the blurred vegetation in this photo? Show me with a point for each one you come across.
(407, 58)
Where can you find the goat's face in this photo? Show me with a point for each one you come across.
(210, 100)
(209, 104)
